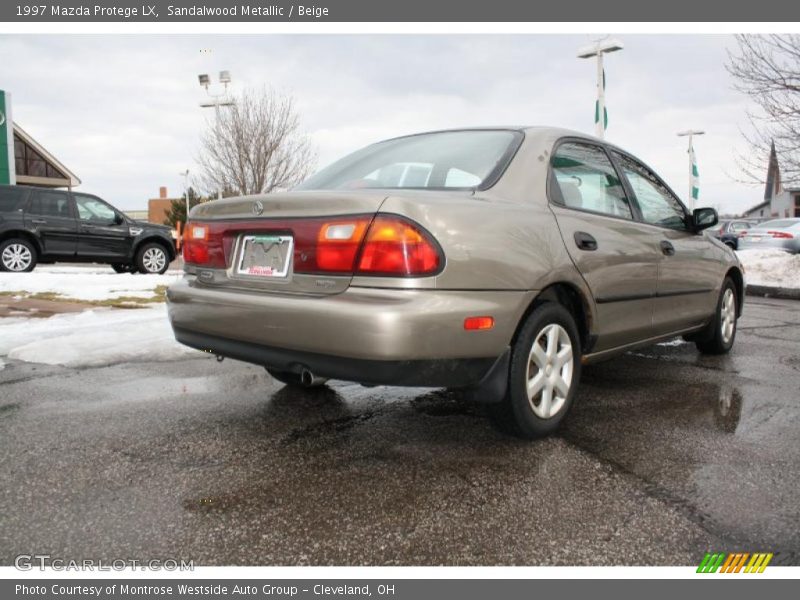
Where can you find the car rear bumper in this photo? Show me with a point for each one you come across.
(377, 336)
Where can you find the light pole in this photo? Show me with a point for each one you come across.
(220, 99)
(694, 174)
(185, 175)
(217, 100)
(598, 49)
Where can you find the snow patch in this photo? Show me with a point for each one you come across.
(771, 267)
(85, 283)
(92, 338)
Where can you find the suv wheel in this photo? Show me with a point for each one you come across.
(17, 256)
(544, 373)
(720, 334)
(152, 258)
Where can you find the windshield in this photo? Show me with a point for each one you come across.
(445, 160)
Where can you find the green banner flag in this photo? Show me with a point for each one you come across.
(7, 173)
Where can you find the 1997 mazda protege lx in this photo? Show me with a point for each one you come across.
(497, 260)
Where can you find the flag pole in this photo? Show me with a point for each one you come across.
(598, 49)
(694, 173)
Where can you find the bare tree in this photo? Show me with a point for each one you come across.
(255, 146)
(767, 69)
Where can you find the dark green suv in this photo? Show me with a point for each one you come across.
(46, 225)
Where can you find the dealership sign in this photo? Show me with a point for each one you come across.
(6, 140)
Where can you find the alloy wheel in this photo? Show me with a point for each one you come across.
(17, 257)
(727, 315)
(549, 372)
(154, 260)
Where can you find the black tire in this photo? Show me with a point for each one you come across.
(145, 265)
(14, 250)
(293, 379)
(124, 268)
(516, 413)
(713, 339)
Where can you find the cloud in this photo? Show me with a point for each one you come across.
(122, 111)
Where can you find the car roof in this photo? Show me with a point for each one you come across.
(533, 129)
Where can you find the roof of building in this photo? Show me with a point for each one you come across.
(69, 178)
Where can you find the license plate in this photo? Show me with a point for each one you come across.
(265, 255)
(753, 238)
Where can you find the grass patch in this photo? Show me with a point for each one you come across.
(159, 295)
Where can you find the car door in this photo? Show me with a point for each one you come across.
(50, 217)
(103, 232)
(688, 266)
(617, 256)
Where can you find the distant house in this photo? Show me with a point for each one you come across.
(778, 201)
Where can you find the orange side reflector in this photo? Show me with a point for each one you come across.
(476, 323)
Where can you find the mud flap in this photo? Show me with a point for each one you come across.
(492, 388)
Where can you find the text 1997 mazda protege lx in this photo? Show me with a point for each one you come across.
(495, 259)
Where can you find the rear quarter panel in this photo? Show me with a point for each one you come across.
(489, 244)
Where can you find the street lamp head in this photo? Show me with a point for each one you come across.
(204, 80)
(690, 132)
(602, 47)
(225, 77)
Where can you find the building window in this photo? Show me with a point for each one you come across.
(28, 161)
(797, 205)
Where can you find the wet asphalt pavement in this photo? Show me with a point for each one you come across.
(666, 454)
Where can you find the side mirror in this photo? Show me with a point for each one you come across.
(118, 219)
(703, 218)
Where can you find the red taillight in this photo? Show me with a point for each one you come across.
(383, 245)
(394, 246)
(742, 233)
(781, 235)
(338, 243)
(202, 245)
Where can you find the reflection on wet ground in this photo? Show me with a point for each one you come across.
(666, 455)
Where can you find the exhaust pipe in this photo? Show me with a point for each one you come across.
(308, 379)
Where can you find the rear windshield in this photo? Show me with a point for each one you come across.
(11, 198)
(445, 160)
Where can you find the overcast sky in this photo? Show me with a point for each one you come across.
(122, 111)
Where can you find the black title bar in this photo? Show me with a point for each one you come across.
(70, 11)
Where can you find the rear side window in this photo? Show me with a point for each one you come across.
(588, 181)
(11, 198)
(659, 207)
(50, 204)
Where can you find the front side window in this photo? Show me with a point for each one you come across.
(657, 204)
(94, 209)
(50, 204)
(443, 160)
(588, 181)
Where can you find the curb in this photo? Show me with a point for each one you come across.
(767, 291)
